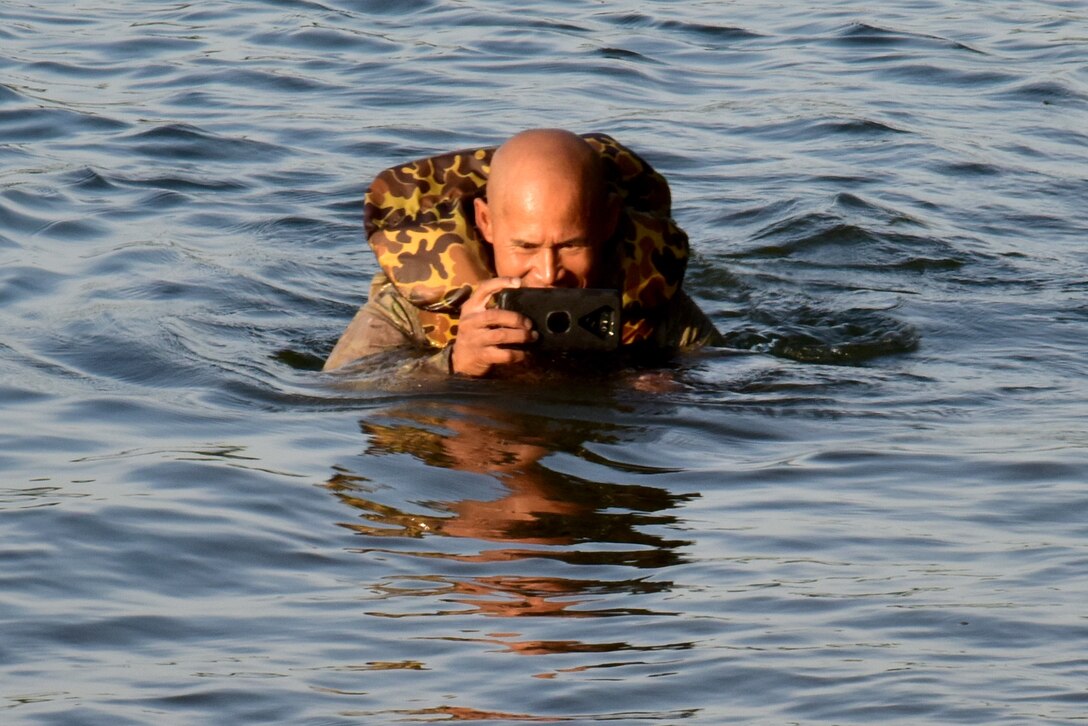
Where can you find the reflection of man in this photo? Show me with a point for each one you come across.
(540, 506)
(548, 221)
(609, 534)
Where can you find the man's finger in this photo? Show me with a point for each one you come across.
(491, 337)
(483, 293)
(495, 318)
(504, 356)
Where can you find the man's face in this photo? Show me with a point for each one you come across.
(544, 234)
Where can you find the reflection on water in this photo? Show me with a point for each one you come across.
(539, 514)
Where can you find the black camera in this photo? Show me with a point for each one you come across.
(568, 318)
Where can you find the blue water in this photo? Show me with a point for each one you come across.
(871, 507)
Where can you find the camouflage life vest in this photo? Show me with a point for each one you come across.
(420, 221)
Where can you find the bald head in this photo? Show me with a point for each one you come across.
(543, 162)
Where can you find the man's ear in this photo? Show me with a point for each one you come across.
(483, 218)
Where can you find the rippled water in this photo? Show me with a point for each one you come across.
(870, 508)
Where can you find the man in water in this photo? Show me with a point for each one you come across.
(549, 219)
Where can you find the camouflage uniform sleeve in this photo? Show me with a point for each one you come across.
(386, 324)
(685, 326)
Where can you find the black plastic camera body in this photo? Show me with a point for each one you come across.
(568, 319)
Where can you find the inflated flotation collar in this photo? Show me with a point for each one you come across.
(421, 224)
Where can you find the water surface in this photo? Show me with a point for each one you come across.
(870, 507)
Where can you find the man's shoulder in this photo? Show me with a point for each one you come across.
(683, 325)
(386, 301)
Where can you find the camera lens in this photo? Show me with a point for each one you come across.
(558, 322)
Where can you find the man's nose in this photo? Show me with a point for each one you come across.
(547, 266)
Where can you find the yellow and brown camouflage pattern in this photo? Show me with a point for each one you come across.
(420, 222)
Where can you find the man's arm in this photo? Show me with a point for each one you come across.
(384, 324)
(369, 332)
(487, 337)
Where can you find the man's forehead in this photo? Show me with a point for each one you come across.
(541, 194)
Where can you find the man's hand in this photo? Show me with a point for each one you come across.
(483, 333)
